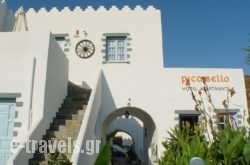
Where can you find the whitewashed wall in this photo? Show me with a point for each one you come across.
(154, 89)
(160, 92)
(143, 25)
(48, 91)
(88, 130)
(18, 68)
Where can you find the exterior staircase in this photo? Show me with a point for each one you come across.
(66, 124)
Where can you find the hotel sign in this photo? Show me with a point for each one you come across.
(213, 78)
(185, 79)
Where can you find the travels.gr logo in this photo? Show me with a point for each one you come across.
(63, 146)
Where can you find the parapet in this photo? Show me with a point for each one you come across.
(91, 9)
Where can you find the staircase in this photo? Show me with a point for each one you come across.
(66, 124)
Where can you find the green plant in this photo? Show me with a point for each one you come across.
(183, 144)
(104, 156)
(58, 158)
(226, 146)
(247, 50)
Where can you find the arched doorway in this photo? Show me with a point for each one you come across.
(133, 127)
(148, 137)
(124, 138)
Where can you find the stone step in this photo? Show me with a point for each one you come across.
(72, 106)
(69, 127)
(67, 111)
(53, 134)
(52, 139)
(69, 116)
(73, 122)
(64, 116)
(76, 102)
(78, 89)
(66, 124)
(71, 111)
(55, 127)
(76, 98)
(69, 132)
(59, 121)
(82, 111)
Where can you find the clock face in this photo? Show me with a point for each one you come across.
(85, 48)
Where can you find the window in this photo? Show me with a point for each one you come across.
(116, 49)
(191, 119)
(223, 118)
(61, 41)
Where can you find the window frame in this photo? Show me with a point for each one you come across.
(112, 49)
(232, 115)
(61, 39)
(183, 119)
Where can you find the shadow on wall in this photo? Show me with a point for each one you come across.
(108, 102)
(107, 105)
(109, 112)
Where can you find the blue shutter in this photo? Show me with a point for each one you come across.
(7, 114)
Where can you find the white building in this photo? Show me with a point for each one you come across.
(118, 54)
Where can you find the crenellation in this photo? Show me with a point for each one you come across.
(138, 8)
(66, 9)
(101, 8)
(113, 8)
(42, 10)
(77, 9)
(151, 8)
(31, 10)
(90, 8)
(126, 8)
(54, 9)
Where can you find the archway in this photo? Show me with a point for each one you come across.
(134, 128)
(148, 128)
(126, 138)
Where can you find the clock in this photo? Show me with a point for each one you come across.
(85, 48)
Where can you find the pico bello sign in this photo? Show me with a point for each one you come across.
(214, 80)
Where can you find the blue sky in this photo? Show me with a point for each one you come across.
(196, 33)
